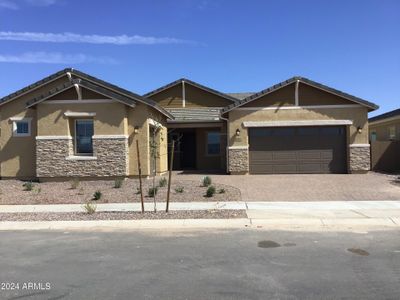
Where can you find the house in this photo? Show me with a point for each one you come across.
(385, 127)
(296, 126)
(71, 124)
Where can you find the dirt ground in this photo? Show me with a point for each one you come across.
(12, 192)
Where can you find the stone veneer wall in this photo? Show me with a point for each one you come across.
(360, 160)
(54, 158)
(238, 160)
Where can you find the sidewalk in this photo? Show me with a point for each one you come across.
(268, 215)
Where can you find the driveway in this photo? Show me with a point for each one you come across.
(305, 187)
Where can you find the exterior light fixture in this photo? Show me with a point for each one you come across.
(359, 129)
(238, 132)
(136, 129)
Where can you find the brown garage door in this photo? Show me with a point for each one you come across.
(275, 150)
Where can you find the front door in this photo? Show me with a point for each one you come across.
(188, 150)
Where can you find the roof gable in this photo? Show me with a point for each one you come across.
(387, 115)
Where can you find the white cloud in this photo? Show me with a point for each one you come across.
(41, 2)
(69, 37)
(8, 4)
(53, 58)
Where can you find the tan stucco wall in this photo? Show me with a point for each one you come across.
(309, 95)
(207, 162)
(281, 97)
(382, 129)
(357, 115)
(170, 98)
(70, 94)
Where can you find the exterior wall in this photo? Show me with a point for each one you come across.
(359, 159)
(55, 158)
(207, 162)
(18, 154)
(382, 129)
(309, 95)
(169, 98)
(282, 97)
(238, 160)
(357, 114)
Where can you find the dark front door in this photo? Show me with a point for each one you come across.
(188, 150)
(297, 150)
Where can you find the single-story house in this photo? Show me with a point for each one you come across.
(71, 124)
(385, 127)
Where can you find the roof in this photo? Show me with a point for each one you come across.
(195, 114)
(240, 96)
(198, 85)
(88, 79)
(304, 80)
(387, 115)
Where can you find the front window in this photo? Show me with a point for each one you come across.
(373, 136)
(213, 143)
(83, 137)
(22, 127)
(392, 132)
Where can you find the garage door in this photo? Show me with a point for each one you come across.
(275, 150)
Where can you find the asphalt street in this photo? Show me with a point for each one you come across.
(207, 264)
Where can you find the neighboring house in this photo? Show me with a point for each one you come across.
(72, 124)
(385, 127)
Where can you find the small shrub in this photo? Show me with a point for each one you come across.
(162, 182)
(206, 181)
(28, 186)
(152, 191)
(39, 190)
(118, 183)
(90, 207)
(179, 189)
(221, 191)
(210, 191)
(137, 191)
(74, 183)
(97, 195)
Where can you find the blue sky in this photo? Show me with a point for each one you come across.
(229, 45)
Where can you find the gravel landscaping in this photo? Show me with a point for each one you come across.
(78, 216)
(13, 192)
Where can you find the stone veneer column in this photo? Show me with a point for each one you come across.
(54, 157)
(238, 159)
(359, 158)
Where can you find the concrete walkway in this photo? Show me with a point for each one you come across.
(277, 215)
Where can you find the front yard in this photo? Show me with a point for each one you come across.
(69, 192)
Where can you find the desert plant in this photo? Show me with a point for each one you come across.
(28, 186)
(137, 191)
(221, 191)
(206, 181)
(210, 191)
(152, 191)
(38, 190)
(162, 182)
(97, 195)
(90, 207)
(179, 189)
(118, 183)
(74, 183)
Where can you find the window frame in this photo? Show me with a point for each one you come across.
(213, 154)
(76, 135)
(14, 126)
(373, 136)
(392, 137)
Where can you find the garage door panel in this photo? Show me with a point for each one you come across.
(297, 150)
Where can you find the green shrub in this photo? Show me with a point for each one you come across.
(152, 191)
(221, 191)
(90, 207)
(162, 182)
(28, 186)
(74, 183)
(137, 191)
(179, 189)
(97, 195)
(210, 191)
(118, 183)
(206, 181)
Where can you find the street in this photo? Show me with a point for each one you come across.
(206, 264)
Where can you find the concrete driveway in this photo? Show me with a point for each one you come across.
(313, 187)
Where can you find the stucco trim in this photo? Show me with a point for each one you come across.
(79, 101)
(79, 114)
(54, 137)
(105, 137)
(238, 147)
(301, 107)
(296, 123)
(76, 157)
(359, 145)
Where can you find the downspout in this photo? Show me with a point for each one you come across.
(183, 94)
(227, 143)
(296, 93)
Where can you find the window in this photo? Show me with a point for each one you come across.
(373, 136)
(83, 137)
(392, 132)
(21, 127)
(213, 143)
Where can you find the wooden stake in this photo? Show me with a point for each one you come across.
(140, 175)
(170, 174)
